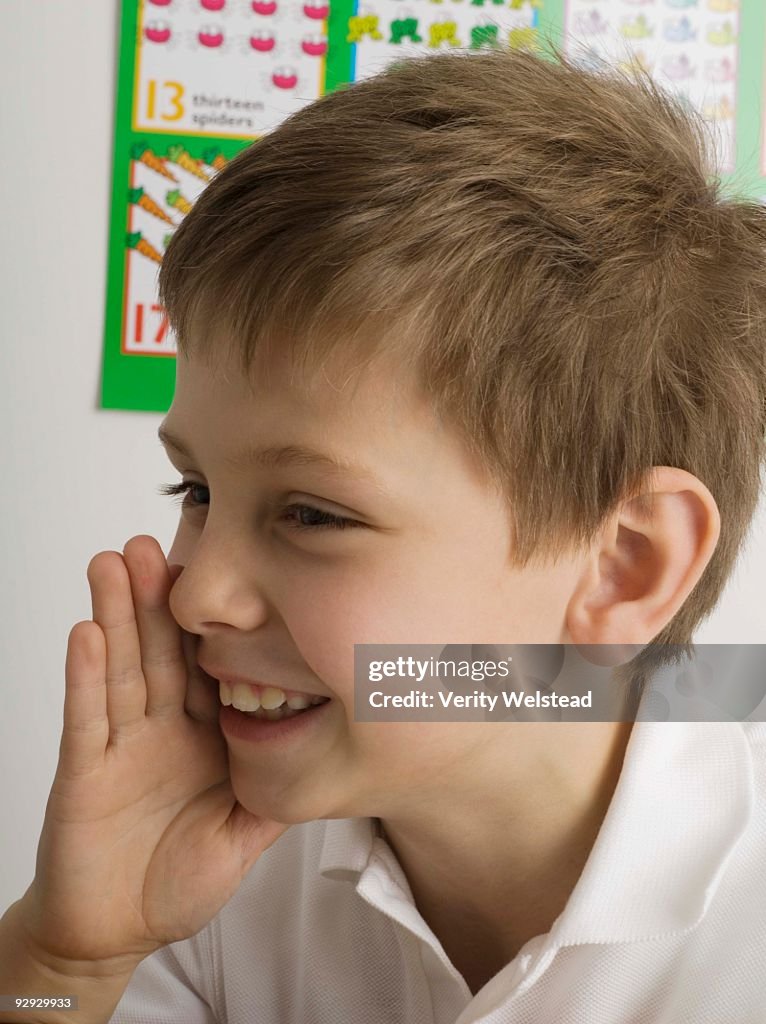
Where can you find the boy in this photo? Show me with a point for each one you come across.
(500, 294)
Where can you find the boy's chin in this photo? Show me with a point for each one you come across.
(277, 804)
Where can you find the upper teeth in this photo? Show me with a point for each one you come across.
(247, 698)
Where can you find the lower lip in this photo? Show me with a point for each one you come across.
(239, 726)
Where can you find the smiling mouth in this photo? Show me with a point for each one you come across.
(269, 702)
(276, 714)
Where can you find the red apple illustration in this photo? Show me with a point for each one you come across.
(213, 5)
(314, 47)
(262, 42)
(157, 32)
(317, 9)
(210, 36)
(284, 78)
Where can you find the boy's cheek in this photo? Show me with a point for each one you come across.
(201, 701)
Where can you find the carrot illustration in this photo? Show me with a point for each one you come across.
(214, 158)
(166, 240)
(178, 155)
(144, 155)
(136, 241)
(177, 201)
(139, 197)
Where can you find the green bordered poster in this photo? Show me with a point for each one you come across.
(201, 79)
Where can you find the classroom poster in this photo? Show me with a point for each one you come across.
(383, 31)
(689, 47)
(709, 53)
(201, 79)
(198, 81)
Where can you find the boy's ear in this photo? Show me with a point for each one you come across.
(646, 563)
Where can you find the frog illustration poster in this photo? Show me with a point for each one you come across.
(199, 80)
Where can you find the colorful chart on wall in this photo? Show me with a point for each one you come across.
(690, 48)
(199, 80)
(387, 30)
(709, 53)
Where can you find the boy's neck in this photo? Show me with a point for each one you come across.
(500, 871)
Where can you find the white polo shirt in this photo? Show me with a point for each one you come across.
(666, 925)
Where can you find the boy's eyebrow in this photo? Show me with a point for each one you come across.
(275, 456)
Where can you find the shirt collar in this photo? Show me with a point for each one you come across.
(683, 800)
(346, 847)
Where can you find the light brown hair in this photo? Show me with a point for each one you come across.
(548, 247)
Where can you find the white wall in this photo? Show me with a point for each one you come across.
(77, 479)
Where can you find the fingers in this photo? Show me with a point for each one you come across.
(114, 612)
(128, 662)
(161, 656)
(86, 725)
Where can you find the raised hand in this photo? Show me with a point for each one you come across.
(143, 839)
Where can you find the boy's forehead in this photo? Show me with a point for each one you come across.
(333, 392)
(371, 426)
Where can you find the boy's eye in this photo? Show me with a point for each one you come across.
(331, 521)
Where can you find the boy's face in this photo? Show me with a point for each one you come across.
(286, 605)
